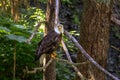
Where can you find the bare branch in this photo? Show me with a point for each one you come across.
(39, 68)
(71, 63)
(88, 56)
(34, 32)
(115, 48)
(56, 11)
(115, 20)
(115, 15)
(49, 62)
(69, 58)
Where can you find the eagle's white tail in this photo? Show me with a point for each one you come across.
(42, 59)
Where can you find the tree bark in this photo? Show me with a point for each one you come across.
(15, 9)
(3, 8)
(50, 73)
(94, 37)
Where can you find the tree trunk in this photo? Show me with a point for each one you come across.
(15, 9)
(94, 37)
(3, 8)
(50, 73)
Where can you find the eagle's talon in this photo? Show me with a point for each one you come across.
(53, 55)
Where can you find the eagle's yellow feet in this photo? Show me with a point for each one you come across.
(53, 55)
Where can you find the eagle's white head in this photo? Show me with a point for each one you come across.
(59, 29)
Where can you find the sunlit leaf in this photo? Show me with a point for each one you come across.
(19, 26)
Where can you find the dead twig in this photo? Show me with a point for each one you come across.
(115, 20)
(115, 48)
(34, 32)
(38, 68)
(88, 56)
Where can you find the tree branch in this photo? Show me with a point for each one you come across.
(69, 58)
(39, 68)
(56, 11)
(34, 32)
(88, 56)
(115, 20)
(71, 63)
(49, 62)
(115, 48)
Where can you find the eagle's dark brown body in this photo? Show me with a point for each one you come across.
(48, 44)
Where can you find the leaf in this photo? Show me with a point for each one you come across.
(117, 35)
(16, 38)
(4, 28)
(2, 68)
(19, 26)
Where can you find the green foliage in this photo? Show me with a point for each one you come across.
(76, 19)
(73, 9)
(12, 40)
(4, 30)
(24, 57)
(67, 1)
(64, 72)
(16, 38)
(69, 43)
(116, 31)
(13, 31)
(37, 15)
(43, 1)
(32, 16)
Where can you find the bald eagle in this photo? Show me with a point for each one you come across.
(49, 43)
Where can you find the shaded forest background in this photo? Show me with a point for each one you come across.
(18, 20)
